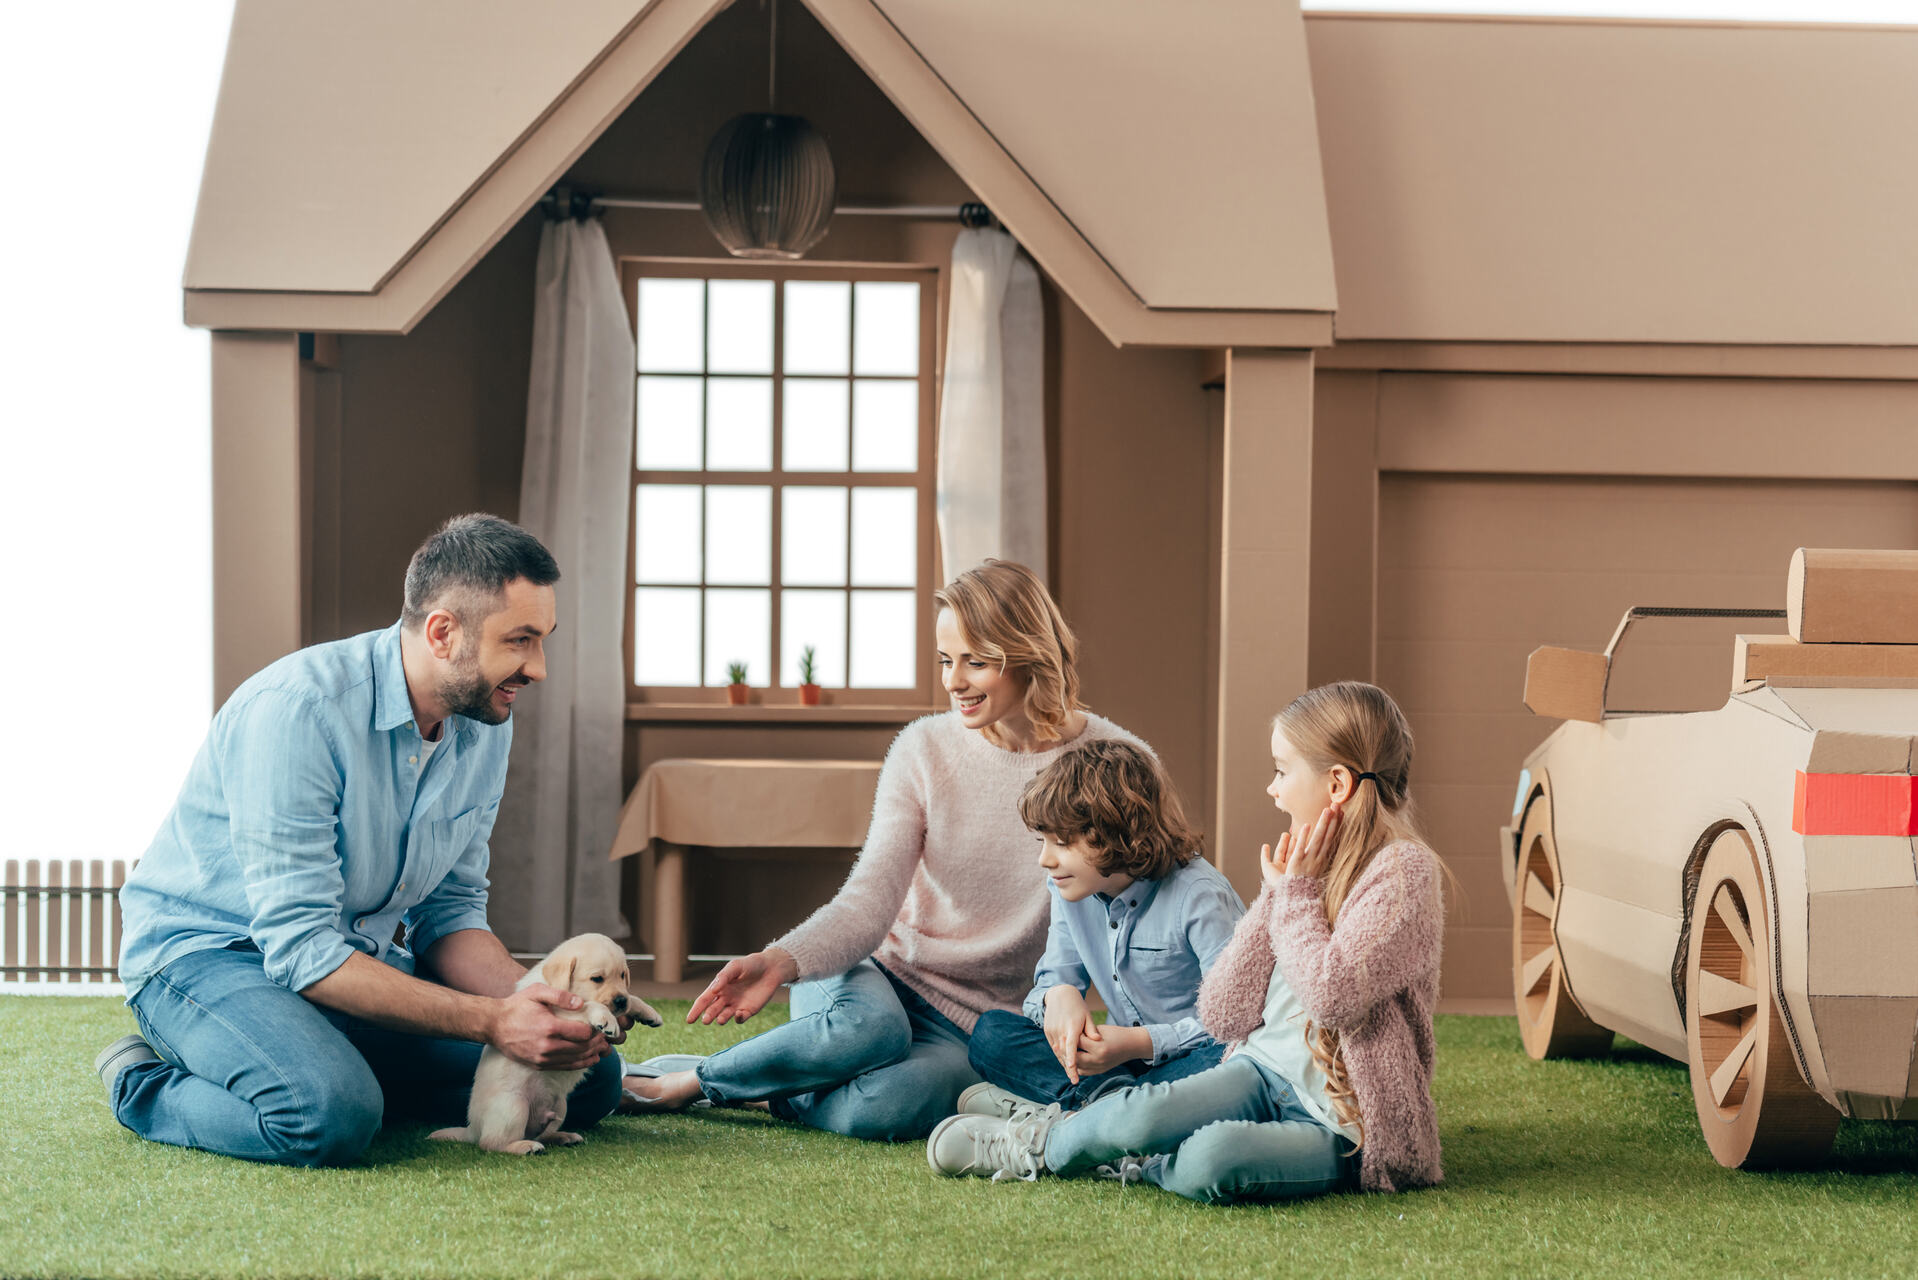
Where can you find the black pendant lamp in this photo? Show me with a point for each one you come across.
(767, 185)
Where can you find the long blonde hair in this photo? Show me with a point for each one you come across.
(1358, 726)
(1008, 617)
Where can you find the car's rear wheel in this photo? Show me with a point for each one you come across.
(1756, 1111)
(1549, 1020)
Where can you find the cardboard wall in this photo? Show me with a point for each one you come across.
(433, 423)
(1592, 181)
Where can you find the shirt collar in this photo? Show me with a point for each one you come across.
(392, 707)
(1140, 892)
(1135, 895)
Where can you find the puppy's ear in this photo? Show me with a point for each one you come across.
(559, 971)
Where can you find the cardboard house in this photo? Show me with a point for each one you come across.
(1378, 347)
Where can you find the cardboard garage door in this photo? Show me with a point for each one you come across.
(1476, 571)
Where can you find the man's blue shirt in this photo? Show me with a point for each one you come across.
(1146, 949)
(315, 823)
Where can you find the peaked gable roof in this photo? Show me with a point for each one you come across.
(1160, 162)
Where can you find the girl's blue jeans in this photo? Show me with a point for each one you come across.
(254, 1070)
(864, 1055)
(1236, 1132)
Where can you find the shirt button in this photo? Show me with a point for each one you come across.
(412, 759)
(1113, 923)
(402, 888)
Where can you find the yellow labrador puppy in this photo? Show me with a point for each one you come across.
(519, 1109)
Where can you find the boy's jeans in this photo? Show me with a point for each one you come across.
(260, 1072)
(1011, 1050)
(863, 1055)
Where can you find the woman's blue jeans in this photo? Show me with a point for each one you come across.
(254, 1070)
(864, 1055)
(1236, 1132)
(1011, 1051)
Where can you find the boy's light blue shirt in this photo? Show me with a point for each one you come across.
(1145, 949)
(314, 823)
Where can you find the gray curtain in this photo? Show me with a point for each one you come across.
(551, 878)
(992, 448)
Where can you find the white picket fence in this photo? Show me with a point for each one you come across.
(60, 925)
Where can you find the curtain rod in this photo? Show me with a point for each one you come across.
(971, 213)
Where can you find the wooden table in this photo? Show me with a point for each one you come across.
(735, 804)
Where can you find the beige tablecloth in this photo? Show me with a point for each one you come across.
(749, 804)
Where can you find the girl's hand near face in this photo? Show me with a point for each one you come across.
(1307, 854)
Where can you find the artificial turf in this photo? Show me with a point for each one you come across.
(1583, 1168)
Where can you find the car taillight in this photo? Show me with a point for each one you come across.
(1854, 804)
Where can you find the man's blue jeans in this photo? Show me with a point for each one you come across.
(863, 1055)
(1236, 1132)
(257, 1071)
(1011, 1051)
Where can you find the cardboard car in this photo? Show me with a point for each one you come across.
(1736, 888)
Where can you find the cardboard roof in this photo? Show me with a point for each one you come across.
(1165, 173)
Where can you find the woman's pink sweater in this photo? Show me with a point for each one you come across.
(947, 894)
(1374, 980)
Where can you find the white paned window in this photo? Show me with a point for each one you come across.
(782, 493)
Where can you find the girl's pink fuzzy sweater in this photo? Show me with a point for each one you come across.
(947, 893)
(1374, 980)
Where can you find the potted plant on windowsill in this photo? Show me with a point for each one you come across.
(808, 679)
(736, 690)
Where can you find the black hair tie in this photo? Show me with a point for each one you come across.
(1358, 778)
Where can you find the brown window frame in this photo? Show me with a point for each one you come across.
(925, 692)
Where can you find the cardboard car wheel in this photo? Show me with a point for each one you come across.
(1549, 1020)
(1756, 1111)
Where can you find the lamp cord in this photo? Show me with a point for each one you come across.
(772, 58)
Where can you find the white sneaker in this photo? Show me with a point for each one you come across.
(990, 1100)
(1128, 1169)
(989, 1146)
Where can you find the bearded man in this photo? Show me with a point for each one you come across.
(305, 948)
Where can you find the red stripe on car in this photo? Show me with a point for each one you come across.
(1854, 804)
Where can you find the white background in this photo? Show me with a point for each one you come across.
(107, 679)
(105, 599)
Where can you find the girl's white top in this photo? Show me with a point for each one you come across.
(947, 893)
(1279, 1043)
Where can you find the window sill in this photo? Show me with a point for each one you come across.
(774, 713)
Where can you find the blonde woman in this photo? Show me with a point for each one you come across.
(1325, 995)
(942, 917)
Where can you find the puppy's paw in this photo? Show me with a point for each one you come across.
(450, 1135)
(561, 1138)
(524, 1147)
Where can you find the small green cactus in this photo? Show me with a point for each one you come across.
(736, 673)
(808, 673)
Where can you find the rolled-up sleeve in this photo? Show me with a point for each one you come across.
(1060, 966)
(284, 780)
(458, 901)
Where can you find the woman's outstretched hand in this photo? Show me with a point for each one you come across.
(1303, 853)
(743, 987)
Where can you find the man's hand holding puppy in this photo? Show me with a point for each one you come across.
(525, 1029)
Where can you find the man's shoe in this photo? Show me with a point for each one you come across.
(987, 1146)
(118, 1056)
(990, 1100)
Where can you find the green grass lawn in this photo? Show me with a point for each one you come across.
(1553, 1168)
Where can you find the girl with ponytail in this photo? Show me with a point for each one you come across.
(1325, 995)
